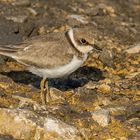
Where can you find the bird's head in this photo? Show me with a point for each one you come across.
(82, 39)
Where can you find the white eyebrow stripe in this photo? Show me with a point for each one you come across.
(71, 36)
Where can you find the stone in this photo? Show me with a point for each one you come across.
(90, 85)
(21, 3)
(134, 49)
(132, 75)
(25, 124)
(32, 11)
(104, 88)
(101, 9)
(101, 116)
(19, 19)
(79, 18)
(2, 59)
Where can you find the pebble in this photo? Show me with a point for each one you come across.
(106, 9)
(134, 49)
(33, 11)
(90, 85)
(2, 59)
(101, 9)
(104, 88)
(101, 116)
(107, 57)
(42, 30)
(24, 123)
(18, 19)
(79, 18)
(132, 75)
(21, 3)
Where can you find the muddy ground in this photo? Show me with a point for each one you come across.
(99, 101)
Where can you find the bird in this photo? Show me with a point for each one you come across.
(53, 55)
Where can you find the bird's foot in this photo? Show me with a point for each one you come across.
(45, 96)
(48, 96)
(76, 91)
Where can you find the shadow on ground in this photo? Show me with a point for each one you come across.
(77, 79)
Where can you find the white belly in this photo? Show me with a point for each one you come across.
(60, 71)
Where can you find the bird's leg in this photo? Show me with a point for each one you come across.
(47, 90)
(43, 93)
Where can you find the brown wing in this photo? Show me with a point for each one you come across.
(46, 51)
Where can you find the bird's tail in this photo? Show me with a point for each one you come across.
(8, 50)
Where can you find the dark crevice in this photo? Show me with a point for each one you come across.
(78, 78)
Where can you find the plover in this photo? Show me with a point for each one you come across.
(53, 55)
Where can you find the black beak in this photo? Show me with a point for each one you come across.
(95, 47)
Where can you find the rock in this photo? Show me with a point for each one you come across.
(42, 30)
(60, 128)
(21, 3)
(104, 88)
(101, 9)
(117, 110)
(134, 49)
(25, 124)
(32, 11)
(106, 9)
(6, 137)
(9, 32)
(19, 19)
(132, 75)
(2, 59)
(101, 116)
(107, 57)
(90, 85)
(79, 18)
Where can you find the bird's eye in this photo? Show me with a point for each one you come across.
(83, 41)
